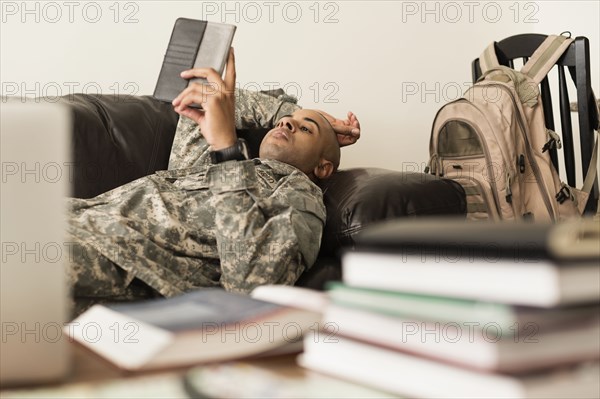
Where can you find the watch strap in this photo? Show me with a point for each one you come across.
(236, 152)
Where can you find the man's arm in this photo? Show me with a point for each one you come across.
(264, 235)
(262, 239)
(261, 110)
(252, 110)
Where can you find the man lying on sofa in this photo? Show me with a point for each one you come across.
(214, 219)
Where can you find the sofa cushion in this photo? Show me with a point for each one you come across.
(117, 139)
(356, 198)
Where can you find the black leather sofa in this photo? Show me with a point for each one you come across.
(117, 139)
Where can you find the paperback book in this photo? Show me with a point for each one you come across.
(488, 347)
(202, 326)
(458, 310)
(413, 376)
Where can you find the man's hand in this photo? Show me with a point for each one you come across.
(348, 130)
(217, 98)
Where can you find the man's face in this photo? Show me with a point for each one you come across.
(298, 140)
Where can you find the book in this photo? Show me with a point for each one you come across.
(298, 297)
(542, 265)
(404, 374)
(202, 326)
(488, 346)
(460, 239)
(541, 282)
(457, 310)
(193, 44)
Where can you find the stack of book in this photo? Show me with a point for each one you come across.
(434, 310)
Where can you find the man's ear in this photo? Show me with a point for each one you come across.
(324, 169)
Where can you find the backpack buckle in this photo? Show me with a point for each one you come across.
(554, 141)
(563, 194)
(549, 145)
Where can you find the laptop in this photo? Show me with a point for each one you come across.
(34, 145)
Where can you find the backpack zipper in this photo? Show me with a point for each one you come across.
(431, 141)
(486, 153)
(533, 162)
(507, 163)
(432, 165)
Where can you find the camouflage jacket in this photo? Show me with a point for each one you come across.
(238, 224)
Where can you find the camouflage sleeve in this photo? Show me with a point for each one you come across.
(188, 145)
(264, 239)
(260, 109)
(252, 110)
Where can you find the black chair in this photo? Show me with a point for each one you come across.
(577, 60)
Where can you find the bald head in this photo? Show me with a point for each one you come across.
(305, 140)
(331, 149)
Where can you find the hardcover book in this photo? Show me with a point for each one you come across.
(193, 44)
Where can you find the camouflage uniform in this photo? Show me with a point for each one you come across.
(237, 225)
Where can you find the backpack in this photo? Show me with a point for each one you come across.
(493, 141)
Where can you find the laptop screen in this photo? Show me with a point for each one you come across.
(34, 296)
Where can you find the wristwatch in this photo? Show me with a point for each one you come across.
(237, 152)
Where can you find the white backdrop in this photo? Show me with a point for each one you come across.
(393, 63)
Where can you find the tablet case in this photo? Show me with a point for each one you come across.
(193, 44)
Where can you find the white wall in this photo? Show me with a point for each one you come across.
(392, 63)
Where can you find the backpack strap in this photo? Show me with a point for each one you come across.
(590, 177)
(488, 59)
(544, 58)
